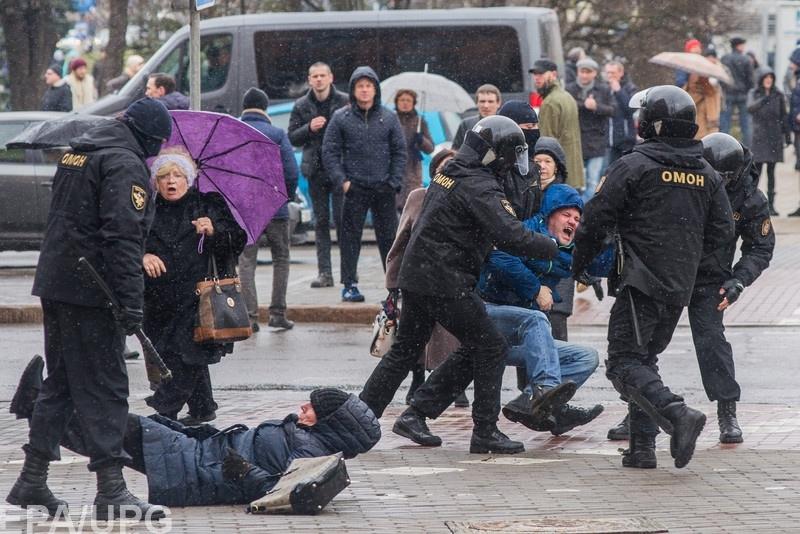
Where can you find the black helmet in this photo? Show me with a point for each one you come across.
(506, 144)
(665, 111)
(725, 154)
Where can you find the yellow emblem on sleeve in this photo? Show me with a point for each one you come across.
(138, 197)
(73, 161)
(508, 207)
(765, 226)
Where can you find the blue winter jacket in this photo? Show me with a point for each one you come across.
(261, 122)
(515, 281)
(367, 148)
(186, 471)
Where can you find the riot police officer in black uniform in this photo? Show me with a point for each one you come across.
(101, 208)
(465, 214)
(667, 205)
(720, 282)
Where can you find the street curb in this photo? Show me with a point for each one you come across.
(24, 313)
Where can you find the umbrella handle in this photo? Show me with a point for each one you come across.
(422, 107)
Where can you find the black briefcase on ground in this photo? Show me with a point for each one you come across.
(306, 488)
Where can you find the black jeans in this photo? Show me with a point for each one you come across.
(190, 384)
(357, 201)
(86, 376)
(770, 180)
(323, 194)
(479, 358)
(75, 441)
(714, 353)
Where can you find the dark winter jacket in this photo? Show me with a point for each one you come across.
(366, 148)
(465, 214)
(185, 471)
(741, 70)
(770, 126)
(170, 302)
(416, 144)
(306, 108)
(794, 109)
(669, 207)
(57, 97)
(753, 224)
(101, 208)
(622, 134)
(463, 127)
(261, 122)
(175, 100)
(594, 123)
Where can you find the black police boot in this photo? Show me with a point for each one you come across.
(417, 379)
(621, 431)
(687, 424)
(114, 501)
(568, 417)
(529, 410)
(31, 489)
(411, 424)
(641, 452)
(490, 440)
(729, 429)
(28, 388)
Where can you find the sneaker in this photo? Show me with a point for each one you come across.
(323, 280)
(568, 417)
(492, 441)
(351, 294)
(413, 426)
(280, 321)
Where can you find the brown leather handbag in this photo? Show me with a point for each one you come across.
(221, 313)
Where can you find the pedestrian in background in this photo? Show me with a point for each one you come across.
(488, 100)
(57, 96)
(741, 69)
(365, 152)
(418, 140)
(771, 132)
(307, 124)
(570, 65)
(133, 65)
(81, 83)
(254, 113)
(707, 95)
(622, 132)
(163, 88)
(595, 109)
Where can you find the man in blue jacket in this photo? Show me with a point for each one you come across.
(254, 113)
(364, 151)
(518, 292)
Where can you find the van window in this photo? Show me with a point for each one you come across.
(549, 38)
(215, 57)
(468, 55)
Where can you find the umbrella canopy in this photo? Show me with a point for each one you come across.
(55, 133)
(694, 63)
(236, 161)
(437, 92)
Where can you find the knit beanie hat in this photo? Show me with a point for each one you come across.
(77, 63)
(327, 400)
(255, 98)
(56, 68)
(518, 111)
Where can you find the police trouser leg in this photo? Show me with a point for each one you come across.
(74, 441)
(480, 358)
(414, 331)
(85, 374)
(714, 353)
(631, 367)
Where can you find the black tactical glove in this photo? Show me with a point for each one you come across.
(129, 320)
(593, 282)
(731, 290)
(234, 467)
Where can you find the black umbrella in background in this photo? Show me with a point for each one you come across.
(55, 133)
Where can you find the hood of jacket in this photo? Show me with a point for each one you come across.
(673, 151)
(111, 134)
(762, 73)
(551, 147)
(364, 72)
(559, 196)
(352, 429)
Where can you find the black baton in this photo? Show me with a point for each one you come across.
(157, 370)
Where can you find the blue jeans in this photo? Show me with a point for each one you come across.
(592, 169)
(726, 119)
(546, 361)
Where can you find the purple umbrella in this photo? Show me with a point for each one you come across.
(236, 161)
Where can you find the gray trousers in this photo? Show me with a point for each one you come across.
(277, 234)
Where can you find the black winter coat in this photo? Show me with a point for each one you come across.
(770, 126)
(465, 213)
(101, 208)
(170, 300)
(741, 70)
(463, 127)
(594, 123)
(753, 224)
(57, 98)
(300, 135)
(368, 147)
(668, 206)
(184, 471)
